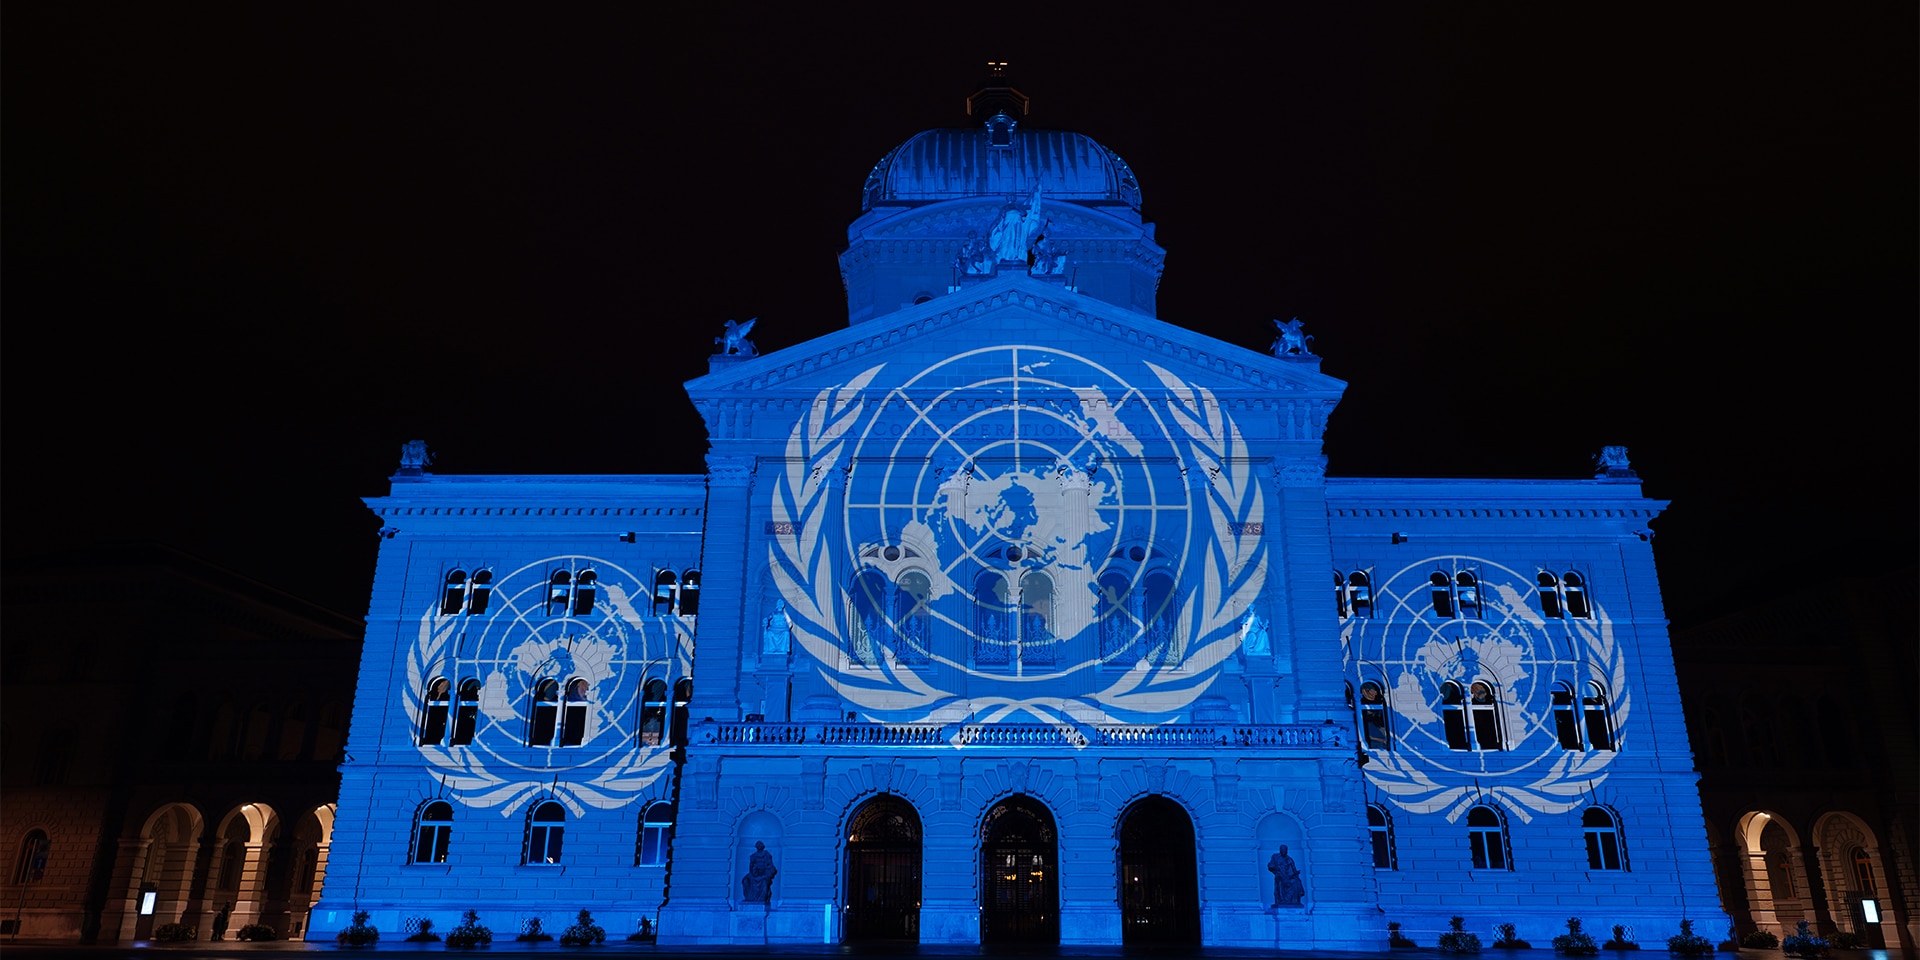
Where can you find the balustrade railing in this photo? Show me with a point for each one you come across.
(1171, 736)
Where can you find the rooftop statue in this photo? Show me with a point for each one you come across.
(1293, 339)
(1012, 233)
(734, 341)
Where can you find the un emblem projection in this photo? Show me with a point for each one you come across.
(1477, 681)
(534, 683)
(1018, 533)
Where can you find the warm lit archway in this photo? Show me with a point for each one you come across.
(1159, 882)
(1019, 873)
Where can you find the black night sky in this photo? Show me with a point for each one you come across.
(251, 249)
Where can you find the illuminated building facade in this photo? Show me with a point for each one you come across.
(1013, 613)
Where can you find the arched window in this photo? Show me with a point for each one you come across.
(1360, 594)
(584, 590)
(573, 720)
(682, 695)
(1466, 594)
(653, 712)
(913, 622)
(1577, 605)
(433, 712)
(480, 592)
(1453, 716)
(559, 593)
(1036, 619)
(454, 597)
(1549, 596)
(1603, 839)
(32, 867)
(1158, 614)
(992, 635)
(545, 715)
(1374, 724)
(1566, 717)
(1864, 884)
(656, 826)
(1442, 596)
(1487, 836)
(870, 627)
(1599, 722)
(1116, 624)
(433, 832)
(1486, 717)
(666, 589)
(546, 827)
(467, 715)
(1340, 594)
(690, 593)
(1380, 831)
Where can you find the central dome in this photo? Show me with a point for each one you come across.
(948, 164)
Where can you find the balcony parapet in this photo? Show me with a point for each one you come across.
(1277, 737)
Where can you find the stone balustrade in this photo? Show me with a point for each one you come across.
(1306, 737)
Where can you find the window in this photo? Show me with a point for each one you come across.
(656, 827)
(1375, 731)
(433, 832)
(1360, 594)
(454, 598)
(1603, 839)
(583, 592)
(913, 621)
(1340, 594)
(1158, 615)
(546, 827)
(467, 715)
(1116, 622)
(573, 721)
(1576, 590)
(682, 695)
(1486, 717)
(1466, 594)
(666, 590)
(1487, 836)
(1442, 596)
(690, 593)
(1566, 719)
(433, 713)
(1036, 619)
(480, 592)
(546, 713)
(1549, 596)
(991, 635)
(1599, 723)
(653, 712)
(1380, 830)
(1453, 716)
(33, 858)
(559, 593)
(1864, 884)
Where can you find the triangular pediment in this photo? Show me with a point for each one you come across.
(1007, 311)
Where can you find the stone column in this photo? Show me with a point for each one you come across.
(122, 912)
(723, 581)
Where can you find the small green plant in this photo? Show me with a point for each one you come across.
(1688, 943)
(584, 932)
(256, 931)
(645, 934)
(1619, 941)
(423, 931)
(176, 931)
(1803, 942)
(1395, 938)
(358, 933)
(469, 933)
(1457, 939)
(1510, 938)
(1847, 940)
(1575, 942)
(1760, 940)
(532, 932)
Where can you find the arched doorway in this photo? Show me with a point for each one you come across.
(1019, 876)
(1159, 884)
(883, 871)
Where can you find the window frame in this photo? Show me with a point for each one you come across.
(1380, 837)
(1603, 840)
(1487, 842)
(546, 836)
(36, 848)
(432, 835)
(656, 830)
(435, 706)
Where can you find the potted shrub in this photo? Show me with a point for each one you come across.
(1619, 939)
(358, 934)
(1395, 939)
(1575, 942)
(469, 933)
(1760, 940)
(1510, 938)
(583, 933)
(645, 934)
(532, 932)
(1688, 943)
(170, 932)
(1457, 939)
(1803, 942)
(255, 931)
(423, 932)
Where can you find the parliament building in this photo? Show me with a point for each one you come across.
(1014, 612)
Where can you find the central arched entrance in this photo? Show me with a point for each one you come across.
(1019, 879)
(1159, 886)
(883, 871)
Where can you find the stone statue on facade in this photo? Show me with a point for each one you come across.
(1612, 464)
(734, 341)
(1048, 258)
(1253, 636)
(777, 634)
(976, 258)
(1288, 890)
(1012, 234)
(1293, 339)
(414, 455)
(757, 885)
